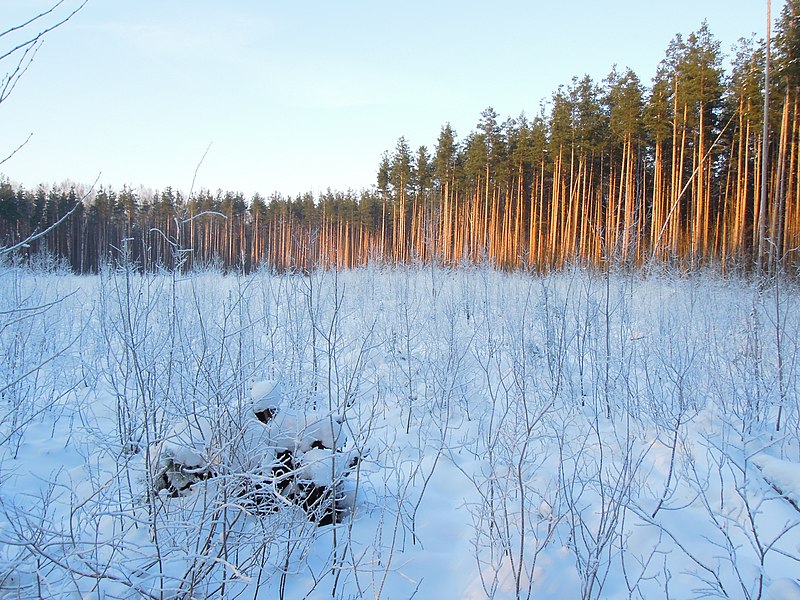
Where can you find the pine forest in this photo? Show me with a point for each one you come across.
(611, 172)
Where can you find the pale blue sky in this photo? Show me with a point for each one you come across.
(298, 96)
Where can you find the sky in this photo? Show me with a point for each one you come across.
(298, 96)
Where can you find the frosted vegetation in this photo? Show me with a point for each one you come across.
(398, 433)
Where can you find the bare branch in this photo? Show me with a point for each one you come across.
(29, 47)
(197, 168)
(17, 149)
(32, 19)
(42, 33)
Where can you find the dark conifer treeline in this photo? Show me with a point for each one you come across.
(612, 170)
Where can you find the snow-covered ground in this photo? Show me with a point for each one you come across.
(485, 435)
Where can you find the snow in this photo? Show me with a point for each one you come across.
(460, 416)
(326, 467)
(300, 430)
(186, 456)
(783, 474)
(783, 589)
(266, 394)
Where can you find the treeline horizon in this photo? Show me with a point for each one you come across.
(610, 172)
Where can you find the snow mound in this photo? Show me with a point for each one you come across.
(783, 475)
(783, 589)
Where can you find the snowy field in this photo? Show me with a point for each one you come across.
(398, 434)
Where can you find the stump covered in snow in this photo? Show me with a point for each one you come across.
(306, 463)
(282, 457)
(266, 396)
(177, 469)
